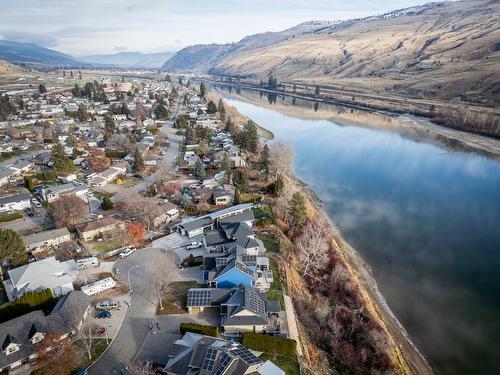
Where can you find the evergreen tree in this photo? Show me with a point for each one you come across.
(294, 87)
(264, 159)
(168, 78)
(316, 91)
(237, 196)
(107, 203)
(138, 161)
(71, 74)
(240, 181)
(42, 89)
(28, 183)
(221, 109)
(203, 90)
(12, 248)
(226, 163)
(211, 107)
(109, 123)
(180, 80)
(199, 169)
(248, 139)
(60, 161)
(297, 209)
(277, 187)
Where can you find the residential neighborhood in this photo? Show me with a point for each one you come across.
(129, 196)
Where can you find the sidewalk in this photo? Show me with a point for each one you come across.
(291, 319)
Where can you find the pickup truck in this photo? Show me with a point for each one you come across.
(193, 245)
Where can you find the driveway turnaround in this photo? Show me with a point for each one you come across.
(142, 270)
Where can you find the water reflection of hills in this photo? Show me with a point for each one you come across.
(416, 129)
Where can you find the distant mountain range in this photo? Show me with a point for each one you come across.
(130, 59)
(30, 53)
(448, 50)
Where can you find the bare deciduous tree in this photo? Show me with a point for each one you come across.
(145, 209)
(67, 210)
(140, 368)
(313, 249)
(120, 142)
(280, 159)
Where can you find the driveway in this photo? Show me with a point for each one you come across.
(143, 269)
(176, 243)
(159, 343)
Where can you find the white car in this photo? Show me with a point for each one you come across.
(125, 253)
(193, 245)
(35, 203)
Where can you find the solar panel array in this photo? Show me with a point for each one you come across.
(225, 361)
(209, 362)
(221, 261)
(249, 260)
(199, 297)
(245, 355)
(254, 302)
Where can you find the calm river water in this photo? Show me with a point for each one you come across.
(425, 217)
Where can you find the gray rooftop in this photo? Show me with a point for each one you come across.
(45, 235)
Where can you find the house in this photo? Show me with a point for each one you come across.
(15, 202)
(223, 196)
(189, 160)
(198, 354)
(55, 192)
(198, 226)
(38, 242)
(19, 336)
(242, 308)
(93, 229)
(47, 273)
(99, 180)
(167, 212)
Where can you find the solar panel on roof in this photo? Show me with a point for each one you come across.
(224, 362)
(245, 355)
(199, 297)
(209, 362)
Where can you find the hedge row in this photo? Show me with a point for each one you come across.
(29, 302)
(270, 344)
(10, 216)
(199, 328)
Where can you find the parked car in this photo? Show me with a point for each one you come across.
(35, 202)
(103, 314)
(99, 331)
(193, 245)
(29, 211)
(81, 371)
(107, 305)
(125, 253)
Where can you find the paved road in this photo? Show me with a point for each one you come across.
(145, 267)
(166, 164)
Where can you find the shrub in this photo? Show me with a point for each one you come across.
(199, 328)
(270, 344)
(9, 216)
(31, 301)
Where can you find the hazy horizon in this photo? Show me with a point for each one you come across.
(100, 27)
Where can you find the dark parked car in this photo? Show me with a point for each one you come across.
(29, 211)
(103, 314)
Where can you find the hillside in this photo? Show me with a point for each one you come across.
(30, 53)
(130, 59)
(445, 50)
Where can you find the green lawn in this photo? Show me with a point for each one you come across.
(276, 290)
(287, 364)
(98, 347)
(265, 210)
(269, 243)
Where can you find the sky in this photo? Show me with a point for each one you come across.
(82, 27)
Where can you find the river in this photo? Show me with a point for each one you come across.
(424, 216)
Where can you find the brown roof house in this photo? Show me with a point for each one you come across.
(93, 229)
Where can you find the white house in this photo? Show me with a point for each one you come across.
(46, 239)
(47, 273)
(15, 202)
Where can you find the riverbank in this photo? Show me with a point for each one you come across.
(403, 353)
(410, 126)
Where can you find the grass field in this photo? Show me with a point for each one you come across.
(98, 347)
(269, 243)
(174, 302)
(9, 216)
(287, 364)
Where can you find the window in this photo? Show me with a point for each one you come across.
(12, 349)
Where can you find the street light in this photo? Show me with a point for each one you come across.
(128, 275)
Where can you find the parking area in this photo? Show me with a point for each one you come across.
(176, 243)
(160, 341)
(110, 326)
